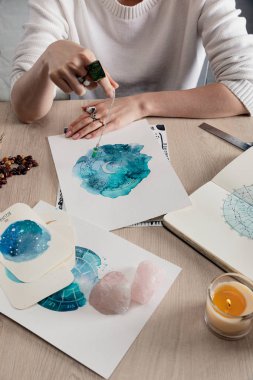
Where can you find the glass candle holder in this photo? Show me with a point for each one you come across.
(229, 306)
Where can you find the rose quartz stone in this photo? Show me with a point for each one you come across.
(112, 294)
(148, 278)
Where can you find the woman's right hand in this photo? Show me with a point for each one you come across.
(66, 61)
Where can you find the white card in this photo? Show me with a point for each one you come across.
(23, 295)
(98, 341)
(29, 248)
(52, 214)
(128, 181)
(60, 222)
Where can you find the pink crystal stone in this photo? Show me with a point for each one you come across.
(112, 294)
(148, 278)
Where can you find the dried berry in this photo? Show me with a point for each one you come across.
(16, 165)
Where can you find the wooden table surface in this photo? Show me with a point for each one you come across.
(175, 344)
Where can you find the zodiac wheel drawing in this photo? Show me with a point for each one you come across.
(238, 211)
(85, 274)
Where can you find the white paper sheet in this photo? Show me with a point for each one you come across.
(158, 193)
(237, 174)
(159, 132)
(96, 340)
(205, 223)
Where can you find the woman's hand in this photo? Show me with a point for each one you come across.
(66, 61)
(124, 111)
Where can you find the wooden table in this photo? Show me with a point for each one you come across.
(175, 344)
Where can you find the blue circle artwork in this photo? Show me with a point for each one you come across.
(85, 274)
(114, 171)
(238, 211)
(23, 241)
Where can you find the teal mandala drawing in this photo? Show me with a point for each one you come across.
(238, 211)
(23, 241)
(85, 277)
(115, 171)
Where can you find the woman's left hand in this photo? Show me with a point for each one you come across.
(124, 111)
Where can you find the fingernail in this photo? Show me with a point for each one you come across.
(88, 136)
(76, 136)
(68, 134)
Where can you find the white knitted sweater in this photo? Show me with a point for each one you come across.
(155, 45)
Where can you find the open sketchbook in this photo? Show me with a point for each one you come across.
(219, 223)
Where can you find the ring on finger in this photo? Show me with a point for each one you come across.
(84, 81)
(94, 116)
(91, 110)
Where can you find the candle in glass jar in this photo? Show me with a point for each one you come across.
(229, 307)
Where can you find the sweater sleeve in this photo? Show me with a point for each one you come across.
(229, 48)
(46, 25)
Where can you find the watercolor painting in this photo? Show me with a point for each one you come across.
(97, 341)
(238, 211)
(75, 295)
(115, 171)
(23, 241)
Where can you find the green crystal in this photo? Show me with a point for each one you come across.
(95, 71)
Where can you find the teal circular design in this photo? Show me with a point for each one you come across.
(23, 241)
(85, 274)
(114, 171)
(238, 211)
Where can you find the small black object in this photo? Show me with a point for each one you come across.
(95, 71)
(160, 127)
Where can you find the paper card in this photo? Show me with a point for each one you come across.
(67, 232)
(25, 238)
(98, 341)
(128, 181)
(60, 222)
(238, 174)
(23, 295)
(52, 214)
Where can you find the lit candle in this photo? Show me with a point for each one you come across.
(229, 307)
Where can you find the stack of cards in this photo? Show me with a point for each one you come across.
(37, 254)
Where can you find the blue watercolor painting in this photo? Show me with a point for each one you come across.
(75, 295)
(23, 241)
(115, 170)
(238, 211)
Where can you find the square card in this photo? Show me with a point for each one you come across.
(60, 222)
(97, 341)
(25, 238)
(25, 294)
(128, 181)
